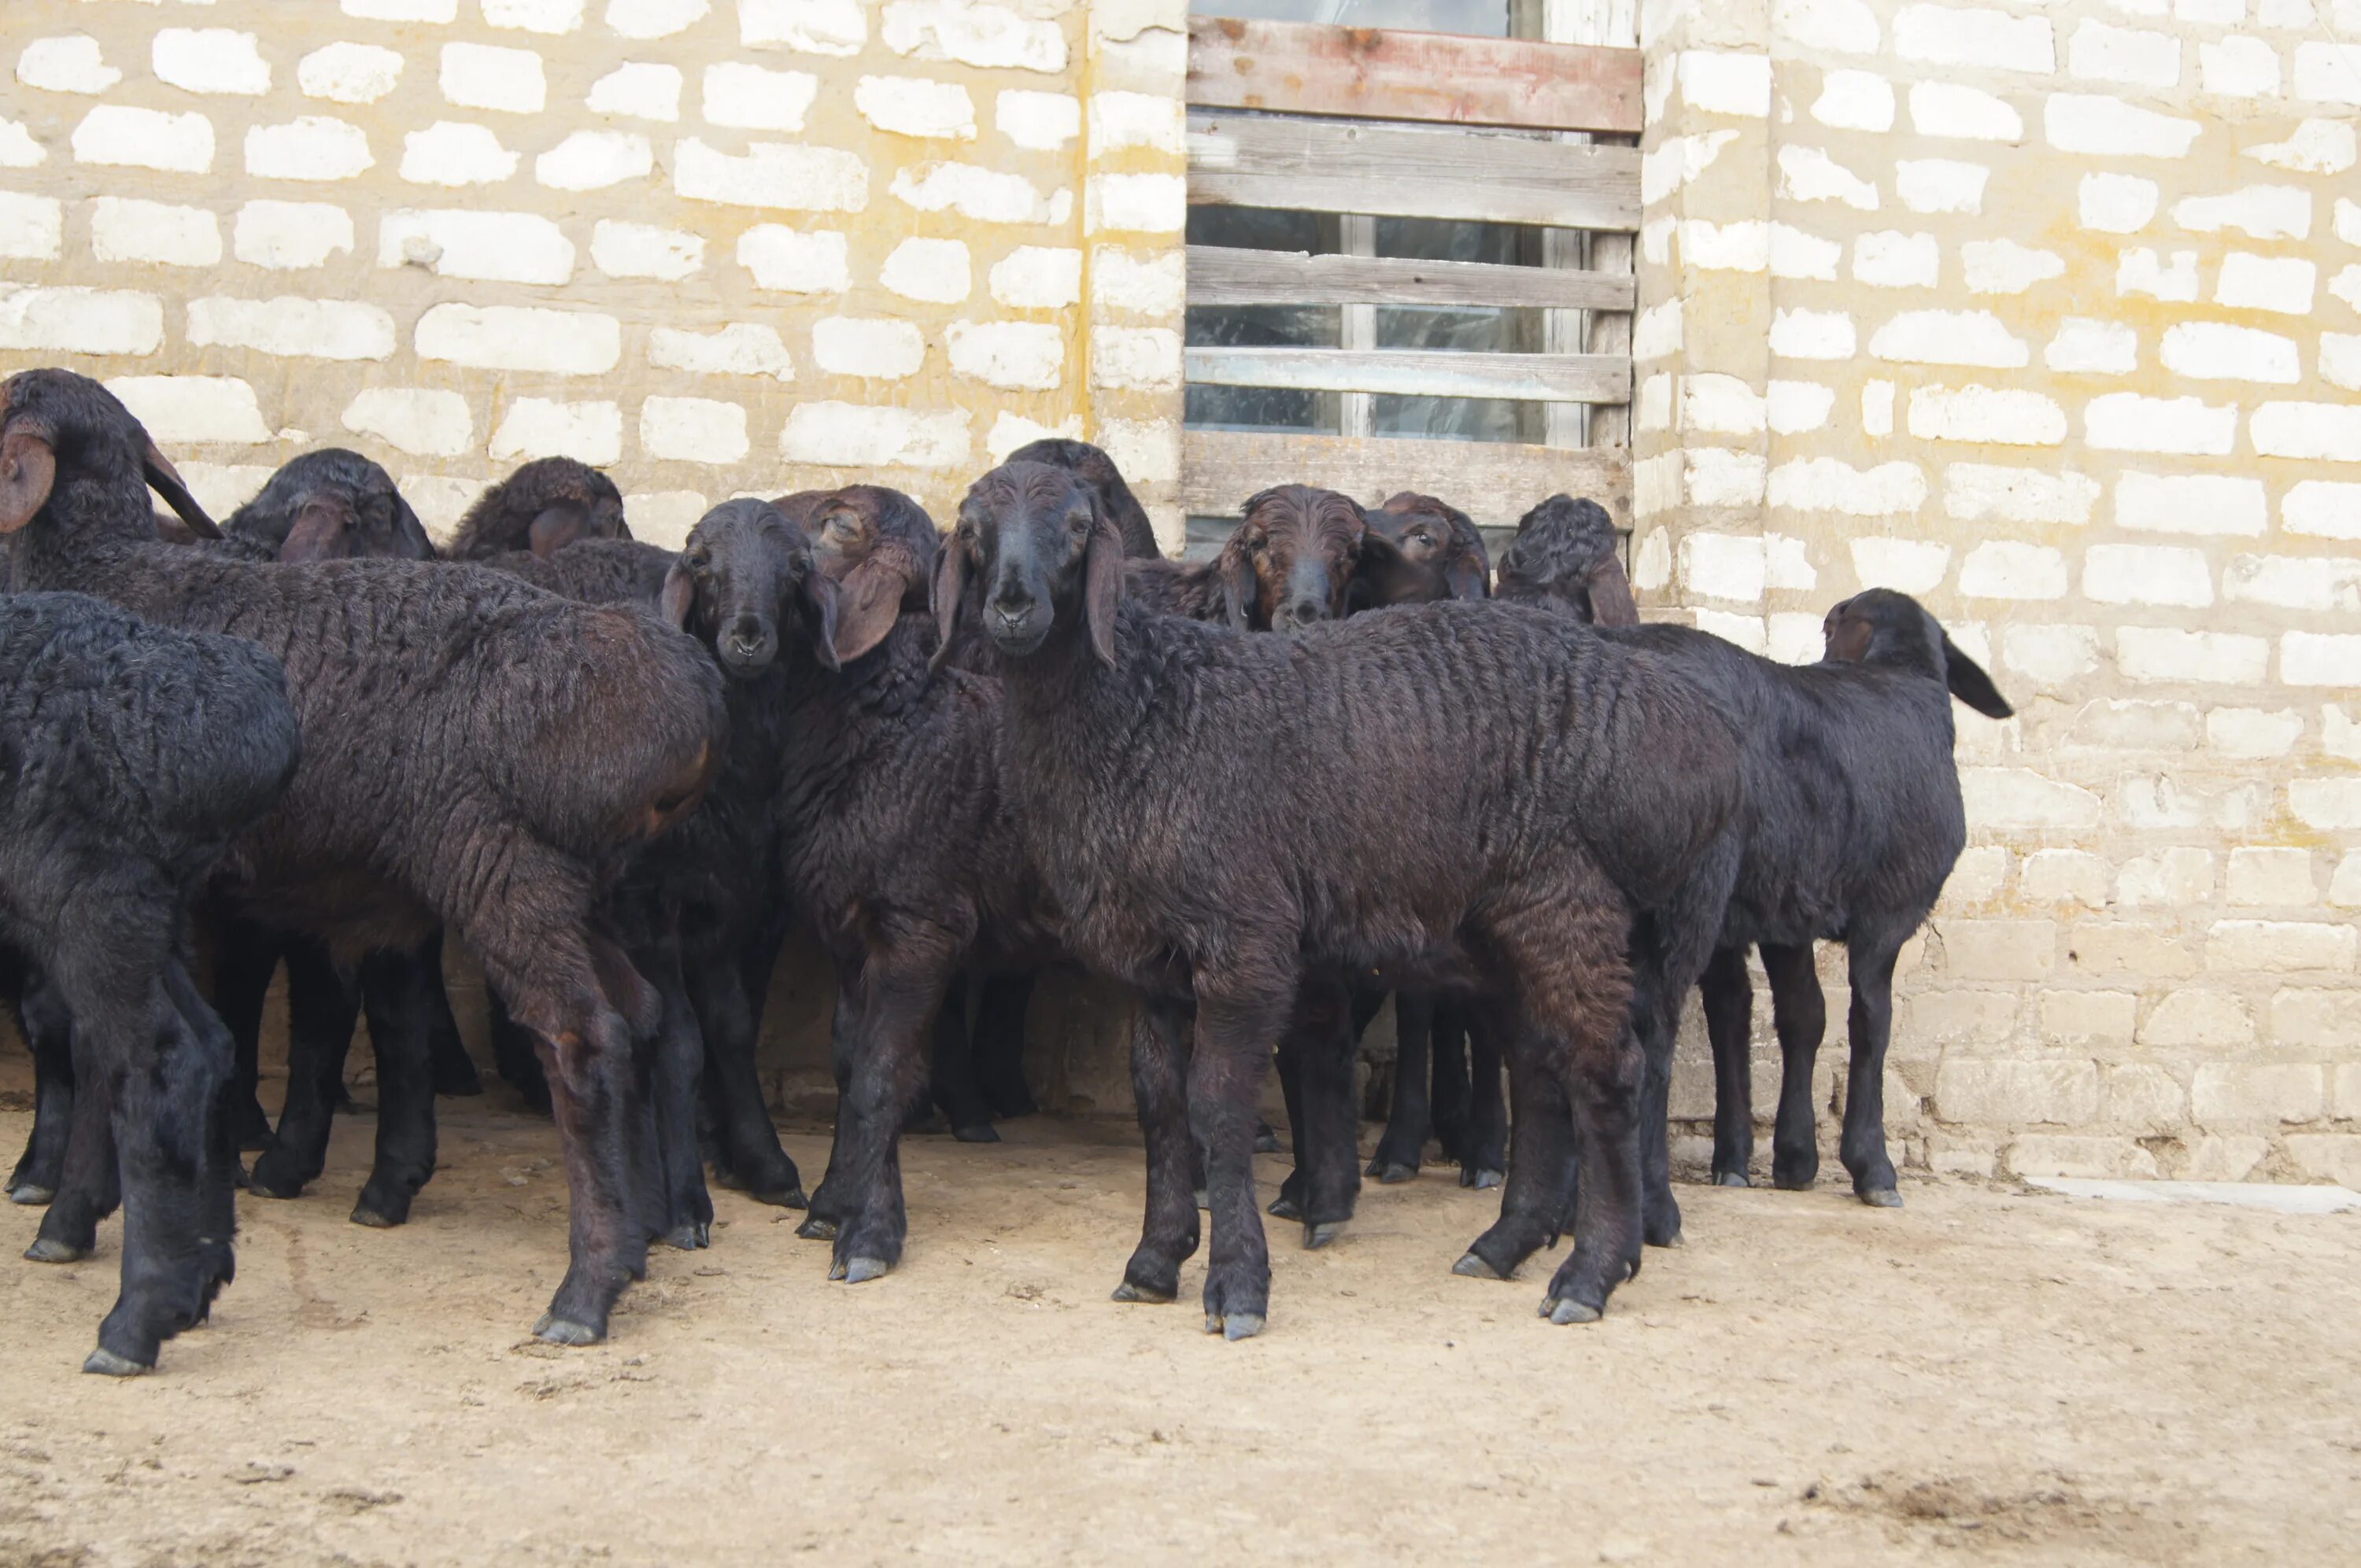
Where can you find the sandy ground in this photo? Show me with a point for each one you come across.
(2013, 1375)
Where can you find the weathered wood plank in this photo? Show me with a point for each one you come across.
(1243, 160)
(1392, 74)
(1418, 373)
(1219, 276)
(1495, 483)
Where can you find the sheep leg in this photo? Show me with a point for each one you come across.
(48, 1032)
(1533, 1196)
(954, 1083)
(828, 1200)
(746, 1145)
(1402, 1148)
(1484, 1161)
(90, 1185)
(1289, 1204)
(1729, 997)
(217, 1180)
(1869, 1024)
(453, 1069)
(1328, 1164)
(679, 1060)
(1233, 1051)
(1446, 1049)
(516, 1057)
(1159, 1087)
(245, 957)
(322, 1009)
(903, 994)
(1799, 1010)
(397, 990)
(1001, 1010)
(627, 991)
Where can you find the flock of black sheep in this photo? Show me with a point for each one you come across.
(1264, 792)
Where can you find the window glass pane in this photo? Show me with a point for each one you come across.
(1247, 326)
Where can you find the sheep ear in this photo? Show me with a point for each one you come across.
(29, 470)
(165, 480)
(679, 593)
(1239, 588)
(869, 603)
(411, 532)
(318, 534)
(818, 591)
(1970, 684)
(951, 588)
(1847, 640)
(554, 529)
(1103, 586)
(1465, 574)
(1384, 576)
(1610, 594)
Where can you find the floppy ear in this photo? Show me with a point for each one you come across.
(1466, 575)
(951, 588)
(318, 533)
(410, 532)
(1239, 586)
(1610, 594)
(1386, 575)
(1846, 640)
(554, 529)
(1970, 684)
(679, 593)
(869, 602)
(28, 469)
(818, 593)
(1103, 585)
(165, 480)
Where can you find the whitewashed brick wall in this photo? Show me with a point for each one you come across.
(2062, 313)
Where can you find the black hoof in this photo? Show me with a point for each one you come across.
(1880, 1198)
(1281, 1208)
(689, 1235)
(375, 1218)
(1131, 1290)
(787, 1198)
(983, 1134)
(1266, 1142)
(1568, 1310)
(817, 1230)
(566, 1331)
(861, 1270)
(31, 1194)
(1475, 1267)
(1731, 1179)
(1794, 1180)
(1392, 1175)
(1320, 1235)
(1235, 1325)
(1482, 1181)
(49, 1249)
(104, 1363)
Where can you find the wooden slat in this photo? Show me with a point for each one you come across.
(1417, 373)
(1219, 276)
(1495, 483)
(1328, 165)
(1389, 74)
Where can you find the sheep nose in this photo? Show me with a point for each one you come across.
(1306, 610)
(747, 636)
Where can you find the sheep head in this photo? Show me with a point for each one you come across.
(1564, 554)
(746, 574)
(543, 507)
(1095, 468)
(333, 505)
(52, 420)
(1045, 553)
(1880, 626)
(878, 546)
(1421, 549)
(1292, 560)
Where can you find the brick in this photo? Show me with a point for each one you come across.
(534, 16)
(1150, 284)
(72, 63)
(2295, 581)
(906, 105)
(1962, 1017)
(2115, 203)
(1039, 278)
(1811, 334)
(2060, 876)
(736, 349)
(772, 174)
(2127, 422)
(880, 349)
(2261, 212)
(2116, 725)
(812, 27)
(663, 517)
(1150, 450)
(308, 329)
(754, 98)
(1011, 430)
(2147, 574)
(286, 236)
(1877, 409)
(1724, 83)
(2223, 1158)
(402, 10)
(2141, 952)
(125, 229)
(2320, 659)
(2324, 74)
(32, 229)
(781, 258)
(2322, 509)
(2005, 799)
(1145, 203)
(655, 18)
(222, 487)
(2340, 359)
(1743, 246)
(1790, 406)
(1144, 358)
(1042, 122)
(193, 410)
(2239, 68)
(2199, 1018)
(2280, 284)
(1980, 871)
(1795, 254)
(209, 60)
(1854, 101)
(1949, 337)
(2095, 1158)
(415, 419)
(2327, 1156)
(17, 147)
(2010, 570)
(2146, 654)
(973, 34)
(1748, 632)
(2164, 800)
(2098, 52)
(645, 250)
(517, 337)
(2190, 503)
(1947, 35)
(640, 90)
(349, 72)
(2000, 949)
(2270, 876)
(2246, 1094)
(2088, 347)
(2005, 267)
(2166, 879)
(1977, 492)
(1012, 355)
(2331, 431)
(1807, 174)
(119, 134)
(2078, 1017)
(1940, 185)
(1828, 484)
(1986, 414)
(2109, 127)
(2339, 736)
(450, 153)
(986, 195)
(495, 248)
(2326, 1020)
(693, 430)
(1123, 120)
(846, 435)
(2051, 657)
(592, 161)
(2016, 1093)
(80, 321)
(1967, 114)
(542, 427)
(1893, 260)
(1839, 26)
(2252, 732)
(440, 501)
(490, 76)
(311, 147)
(932, 269)
(2142, 271)
(2316, 147)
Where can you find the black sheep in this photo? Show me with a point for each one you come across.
(542, 507)
(131, 758)
(1092, 465)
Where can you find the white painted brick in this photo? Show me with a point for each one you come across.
(1652, 406)
(311, 147)
(2051, 657)
(1977, 492)
(222, 487)
(2065, 876)
(209, 60)
(1657, 331)
(1839, 26)
(1741, 247)
(2113, 724)
(1723, 566)
(2340, 359)
(2263, 212)
(1714, 476)
(1039, 278)
(450, 153)
(2147, 574)
(2199, 1018)
(80, 321)
(2348, 223)
(813, 26)
(1746, 630)
(519, 337)
(846, 435)
(487, 76)
(1012, 355)
(645, 250)
(402, 10)
(2322, 509)
(936, 270)
(495, 248)
(2316, 147)
(740, 348)
(2212, 13)
(125, 229)
(2148, 653)
(1724, 404)
(1792, 407)
(2278, 946)
(2189, 503)
(1912, 566)
(2346, 286)
(986, 195)
(2117, 203)
(1962, 113)
(2099, 52)
(2267, 877)
(414, 419)
(2322, 658)
(542, 427)
(1120, 120)
(2330, 430)
(1892, 260)
(2127, 422)
(781, 258)
(32, 229)
(640, 90)
(284, 235)
(2280, 284)
(1788, 563)
(1651, 562)
(1811, 334)
(193, 410)
(1828, 484)
(2239, 68)
(2344, 884)
(1855, 101)
(2008, 569)
(772, 174)
(1946, 34)
(906, 105)
(1949, 337)
(2326, 73)
(1147, 450)
(1677, 161)
(2142, 272)
(2005, 267)
(879, 349)
(1153, 285)
(2252, 731)
(349, 72)
(2018, 799)
(756, 99)
(1145, 358)
(693, 430)
(973, 34)
(2010, 1092)
(441, 502)
(1986, 414)
(120, 135)
(1726, 83)
(592, 161)
(655, 18)
(2285, 13)
(2331, 804)
(1940, 185)
(2217, 351)
(665, 517)
(72, 63)
(2086, 345)
(1877, 409)
(1043, 122)
(1011, 430)
(17, 147)
(2109, 127)
(551, 16)
(1807, 174)
(1145, 203)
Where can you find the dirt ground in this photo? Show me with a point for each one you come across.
(2020, 1377)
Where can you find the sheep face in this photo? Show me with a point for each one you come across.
(878, 546)
(1880, 626)
(53, 422)
(1095, 468)
(1421, 549)
(1564, 554)
(1292, 560)
(543, 507)
(333, 505)
(1046, 552)
(746, 580)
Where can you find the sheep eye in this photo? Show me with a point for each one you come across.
(700, 561)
